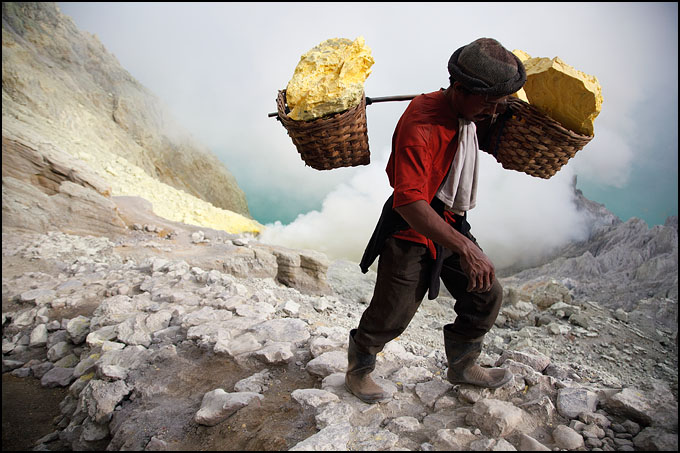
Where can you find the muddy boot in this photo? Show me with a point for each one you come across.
(357, 379)
(461, 358)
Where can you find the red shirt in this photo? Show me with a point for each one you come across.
(423, 146)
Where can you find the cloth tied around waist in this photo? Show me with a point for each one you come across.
(390, 222)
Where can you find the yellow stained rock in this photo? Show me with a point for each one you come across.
(168, 202)
(570, 96)
(329, 78)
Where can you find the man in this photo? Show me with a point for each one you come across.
(423, 234)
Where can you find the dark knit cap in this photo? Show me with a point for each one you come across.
(486, 67)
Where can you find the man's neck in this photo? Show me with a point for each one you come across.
(448, 95)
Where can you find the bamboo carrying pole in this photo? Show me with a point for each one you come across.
(369, 101)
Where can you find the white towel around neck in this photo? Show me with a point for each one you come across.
(459, 189)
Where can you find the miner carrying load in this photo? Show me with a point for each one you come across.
(423, 234)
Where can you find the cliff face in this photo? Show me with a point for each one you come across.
(622, 266)
(61, 86)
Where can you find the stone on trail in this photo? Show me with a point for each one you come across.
(332, 438)
(219, 405)
(313, 398)
(566, 438)
(495, 417)
(573, 401)
(327, 364)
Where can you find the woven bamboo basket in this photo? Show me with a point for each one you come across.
(338, 140)
(524, 139)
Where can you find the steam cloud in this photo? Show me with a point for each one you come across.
(518, 218)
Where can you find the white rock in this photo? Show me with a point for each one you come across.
(242, 344)
(319, 345)
(256, 383)
(328, 363)
(372, 438)
(430, 391)
(25, 318)
(573, 401)
(567, 438)
(133, 331)
(495, 417)
(98, 337)
(411, 375)
(334, 413)
(204, 315)
(93, 431)
(291, 308)
(113, 372)
(59, 350)
(275, 353)
(404, 424)
(503, 445)
(219, 405)
(334, 382)
(282, 329)
(332, 438)
(101, 398)
(38, 336)
(527, 356)
(528, 443)
(112, 346)
(321, 304)
(37, 296)
(313, 398)
(257, 310)
(456, 439)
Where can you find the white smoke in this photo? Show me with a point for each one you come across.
(518, 218)
(346, 221)
(607, 159)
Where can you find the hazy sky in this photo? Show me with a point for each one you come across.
(218, 67)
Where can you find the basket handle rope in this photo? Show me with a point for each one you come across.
(369, 101)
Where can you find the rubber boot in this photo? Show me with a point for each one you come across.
(462, 355)
(357, 379)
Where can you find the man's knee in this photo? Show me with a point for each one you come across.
(489, 309)
(496, 293)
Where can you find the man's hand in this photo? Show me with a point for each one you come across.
(477, 266)
(479, 270)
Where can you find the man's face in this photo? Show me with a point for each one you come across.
(478, 107)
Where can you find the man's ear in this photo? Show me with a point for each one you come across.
(457, 86)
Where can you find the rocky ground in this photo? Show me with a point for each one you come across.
(148, 342)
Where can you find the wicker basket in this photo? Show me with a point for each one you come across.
(338, 140)
(524, 139)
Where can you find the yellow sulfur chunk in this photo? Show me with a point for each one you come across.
(329, 78)
(523, 56)
(570, 96)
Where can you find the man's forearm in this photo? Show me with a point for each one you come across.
(422, 218)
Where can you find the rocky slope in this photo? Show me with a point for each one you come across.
(62, 88)
(167, 339)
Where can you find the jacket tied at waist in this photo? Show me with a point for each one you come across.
(390, 222)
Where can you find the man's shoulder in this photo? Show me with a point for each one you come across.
(432, 98)
(427, 105)
(425, 110)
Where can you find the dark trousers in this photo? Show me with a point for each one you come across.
(403, 279)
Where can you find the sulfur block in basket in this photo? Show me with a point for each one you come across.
(329, 78)
(569, 96)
